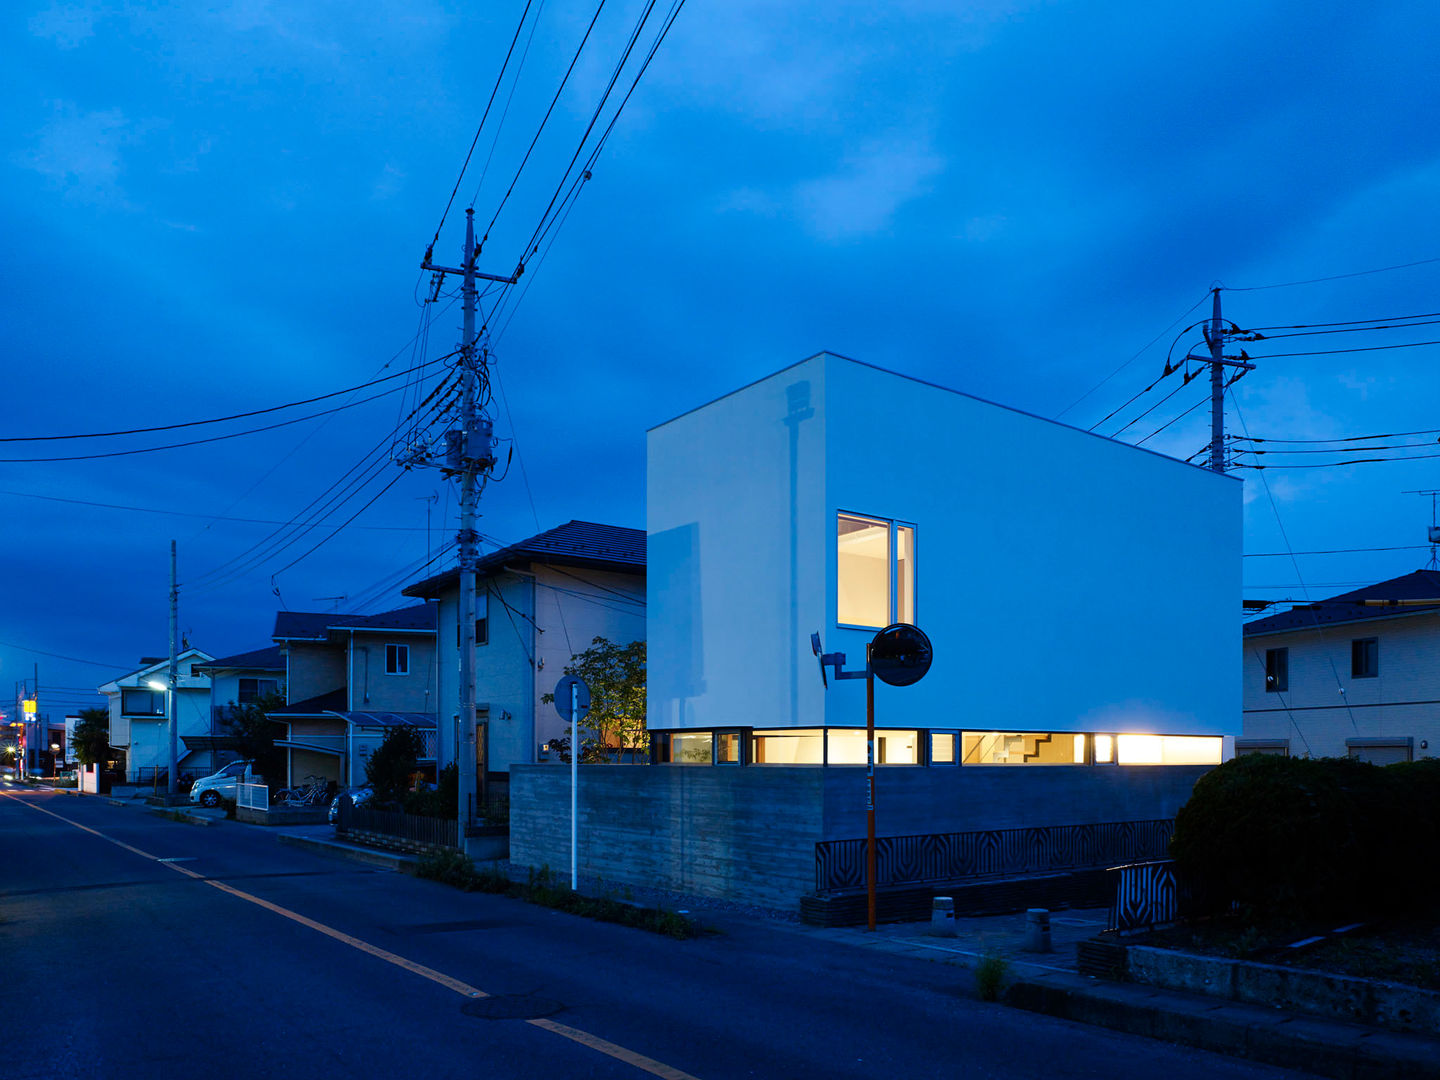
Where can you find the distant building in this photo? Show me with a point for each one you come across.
(538, 602)
(348, 678)
(139, 723)
(1356, 675)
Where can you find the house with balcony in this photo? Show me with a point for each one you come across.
(1356, 675)
(1078, 593)
(139, 722)
(347, 679)
(539, 602)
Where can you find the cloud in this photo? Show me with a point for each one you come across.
(870, 188)
(81, 152)
(388, 183)
(64, 25)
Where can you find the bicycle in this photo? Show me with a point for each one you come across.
(311, 793)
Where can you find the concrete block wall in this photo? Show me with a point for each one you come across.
(749, 834)
(745, 834)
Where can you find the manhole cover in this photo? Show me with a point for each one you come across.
(511, 1007)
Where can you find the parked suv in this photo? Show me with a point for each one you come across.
(209, 790)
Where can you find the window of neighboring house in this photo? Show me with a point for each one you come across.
(255, 689)
(875, 570)
(482, 621)
(1277, 670)
(397, 659)
(1381, 751)
(142, 703)
(1365, 658)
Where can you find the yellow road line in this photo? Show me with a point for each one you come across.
(629, 1057)
(584, 1038)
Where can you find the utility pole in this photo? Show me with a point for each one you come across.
(469, 454)
(172, 703)
(1215, 335)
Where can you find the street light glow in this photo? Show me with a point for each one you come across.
(156, 684)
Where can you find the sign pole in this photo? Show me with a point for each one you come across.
(574, 783)
(870, 794)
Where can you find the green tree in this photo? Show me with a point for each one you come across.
(615, 675)
(255, 733)
(91, 742)
(393, 764)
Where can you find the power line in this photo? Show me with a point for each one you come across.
(1336, 352)
(479, 128)
(543, 121)
(1347, 438)
(1341, 449)
(188, 514)
(1138, 353)
(202, 442)
(1332, 277)
(220, 419)
(1338, 464)
(58, 656)
(1353, 322)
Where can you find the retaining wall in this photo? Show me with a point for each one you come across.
(749, 833)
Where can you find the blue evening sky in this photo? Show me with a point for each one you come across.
(221, 207)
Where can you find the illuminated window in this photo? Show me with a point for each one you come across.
(1104, 749)
(691, 748)
(875, 570)
(1021, 748)
(897, 748)
(1167, 749)
(942, 748)
(844, 746)
(803, 746)
(727, 748)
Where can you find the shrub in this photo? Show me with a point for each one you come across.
(990, 975)
(1299, 838)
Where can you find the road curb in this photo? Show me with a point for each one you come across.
(402, 863)
(182, 816)
(1323, 1047)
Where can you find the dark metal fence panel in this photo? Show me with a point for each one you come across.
(936, 858)
(440, 832)
(1147, 895)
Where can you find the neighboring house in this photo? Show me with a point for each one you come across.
(242, 679)
(1356, 675)
(138, 719)
(1078, 592)
(347, 679)
(538, 603)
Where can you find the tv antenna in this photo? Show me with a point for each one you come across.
(1434, 533)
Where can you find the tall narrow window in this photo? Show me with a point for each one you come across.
(905, 573)
(875, 572)
(864, 569)
(1365, 658)
(397, 659)
(1277, 670)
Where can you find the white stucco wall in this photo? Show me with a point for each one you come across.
(1067, 582)
(1314, 717)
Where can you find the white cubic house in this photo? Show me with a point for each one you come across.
(1079, 595)
(1355, 675)
(139, 723)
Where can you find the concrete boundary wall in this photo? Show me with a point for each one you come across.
(1319, 993)
(749, 834)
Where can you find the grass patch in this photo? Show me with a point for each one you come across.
(991, 974)
(543, 888)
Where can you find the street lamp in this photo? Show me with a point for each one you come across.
(172, 721)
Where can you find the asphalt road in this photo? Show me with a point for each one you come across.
(135, 946)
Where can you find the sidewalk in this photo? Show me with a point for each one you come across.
(1049, 983)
